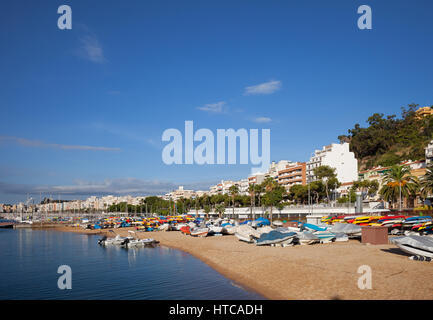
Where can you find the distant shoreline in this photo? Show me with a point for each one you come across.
(320, 272)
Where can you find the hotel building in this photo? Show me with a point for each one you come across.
(337, 156)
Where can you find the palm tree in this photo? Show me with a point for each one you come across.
(252, 191)
(426, 183)
(398, 182)
(259, 189)
(234, 191)
(207, 210)
(270, 184)
(220, 209)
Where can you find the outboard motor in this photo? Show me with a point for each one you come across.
(125, 242)
(102, 240)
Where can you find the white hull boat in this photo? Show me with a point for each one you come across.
(199, 232)
(244, 237)
(230, 230)
(215, 229)
(179, 225)
(277, 223)
(306, 238)
(164, 227)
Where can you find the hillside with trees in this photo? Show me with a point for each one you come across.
(388, 140)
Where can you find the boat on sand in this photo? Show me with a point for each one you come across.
(199, 232)
(415, 245)
(274, 237)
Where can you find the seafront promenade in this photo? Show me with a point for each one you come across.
(326, 271)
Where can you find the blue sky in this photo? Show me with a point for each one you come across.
(125, 73)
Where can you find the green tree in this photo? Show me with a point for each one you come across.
(299, 193)
(366, 187)
(327, 175)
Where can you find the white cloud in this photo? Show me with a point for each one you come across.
(37, 143)
(213, 107)
(262, 120)
(90, 49)
(121, 186)
(263, 88)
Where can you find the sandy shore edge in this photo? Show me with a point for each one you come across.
(317, 272)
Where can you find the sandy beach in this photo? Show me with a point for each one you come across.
(321, 271)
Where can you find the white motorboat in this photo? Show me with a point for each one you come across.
(139, 242)
(244, 237)
(277, 223)
(117, 240)
(306, 238)
(215, 229)
(230, 230)
(199, 232)
(180, 225)
(164, 227)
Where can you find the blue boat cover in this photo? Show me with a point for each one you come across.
(313, 227)
(262, 222)
(274, 237)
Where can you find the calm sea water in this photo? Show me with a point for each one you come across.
(29, 260)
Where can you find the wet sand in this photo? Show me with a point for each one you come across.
(320, 271)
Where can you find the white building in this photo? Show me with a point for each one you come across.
(429, 153)
(181, 193)
(243, 186)
(336, 156)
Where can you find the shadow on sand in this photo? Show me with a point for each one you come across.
(396, 251)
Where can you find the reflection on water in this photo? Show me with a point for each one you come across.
(29, 260)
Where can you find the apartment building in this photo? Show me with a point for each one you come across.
(293, 173)
(424, 111)
(257, 178)
(337, 156)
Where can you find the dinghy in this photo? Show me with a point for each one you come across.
(246, 233)
(415, 245)
(274, 237)
(306, 237)
(199, 232)
(230, 230)
(277, 223)
(117, 240)
(351, 230)
(244, 237)
(164, 227)
(325, 236)
(139, 242)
